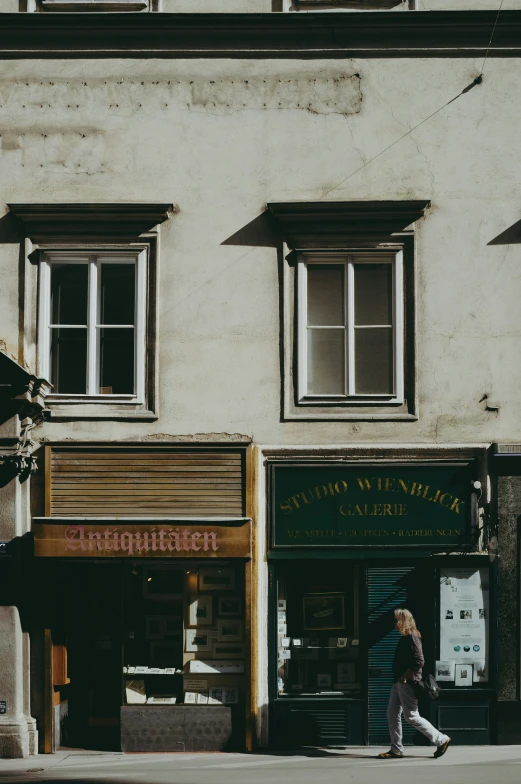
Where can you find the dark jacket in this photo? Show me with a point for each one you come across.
(408, 656)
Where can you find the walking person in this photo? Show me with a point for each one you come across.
(407, 670)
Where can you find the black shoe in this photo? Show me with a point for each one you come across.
(440, 751)
(389, 755)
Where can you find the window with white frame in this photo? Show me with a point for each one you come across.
(350, 328)
(92, 313)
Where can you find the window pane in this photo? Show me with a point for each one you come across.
(69, 283)
(117, 362)
(117, 293)
(69, 361)
(373, 294)
(325, 295)
(326, 365)
(374, 361)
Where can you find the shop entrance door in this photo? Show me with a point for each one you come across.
(387, 589)
(83, 620)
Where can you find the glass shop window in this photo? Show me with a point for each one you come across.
(318, 627)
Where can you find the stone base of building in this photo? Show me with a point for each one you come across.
(18, 739)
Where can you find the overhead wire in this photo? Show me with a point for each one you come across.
(478, 80)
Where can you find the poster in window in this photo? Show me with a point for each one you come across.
(464, 617)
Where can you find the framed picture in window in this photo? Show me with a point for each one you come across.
(230, 695)
(216, 696)
(229, 606)
(200, 611)
(216, 578)
(228, 650)
(230, 631)
(197, 640)
(324, 611)
(345, 672)
(463, 674)
(324, 680)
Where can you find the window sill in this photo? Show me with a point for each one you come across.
(94, 5)
(349, 416)
(57, 411)
(349, 411)
(338, 403)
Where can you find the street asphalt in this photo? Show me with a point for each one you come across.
(460, 765)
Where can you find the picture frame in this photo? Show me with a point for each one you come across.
(336, 652)
(228, 650)
(480, 672)
(202, 698)
(324, 680)
(200, 610)
(216, 579)
(231, 695)
(154, 627)
(162, 583)
(444, 671)
(463, 674)
(323, 611)
(190, 698)
(229, 606)
(197, 640)
(346, 672)
(230, 631)
(216, 696)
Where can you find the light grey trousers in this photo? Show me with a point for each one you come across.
(403, 699)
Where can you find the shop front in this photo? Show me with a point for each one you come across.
(349, 543)
(145, 621)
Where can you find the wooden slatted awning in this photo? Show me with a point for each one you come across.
(145, 482)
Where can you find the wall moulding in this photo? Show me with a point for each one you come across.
(53, 222)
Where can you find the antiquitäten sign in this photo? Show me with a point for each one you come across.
(378, 505)
(101, 539)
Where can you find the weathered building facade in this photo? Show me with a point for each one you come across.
(259, 368)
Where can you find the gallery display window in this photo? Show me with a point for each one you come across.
(318, 630)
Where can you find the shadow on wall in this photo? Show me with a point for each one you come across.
(11, 229)
(258, 233)
(511, 236)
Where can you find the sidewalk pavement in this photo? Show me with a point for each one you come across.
(461, 764)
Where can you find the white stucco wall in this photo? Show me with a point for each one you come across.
(193, 133)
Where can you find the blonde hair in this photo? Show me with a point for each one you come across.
(405, 622)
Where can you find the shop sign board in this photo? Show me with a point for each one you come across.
(73, 538)
(360, 505)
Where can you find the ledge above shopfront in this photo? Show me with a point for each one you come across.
(265, 35)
